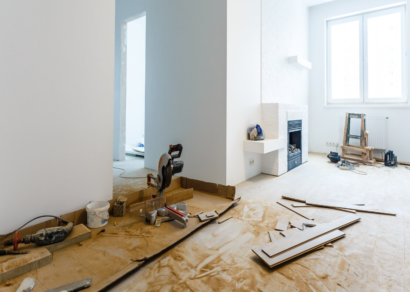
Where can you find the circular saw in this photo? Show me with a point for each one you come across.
(167, 167)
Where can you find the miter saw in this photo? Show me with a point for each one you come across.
(167, 167)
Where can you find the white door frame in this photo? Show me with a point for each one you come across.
(123, 83)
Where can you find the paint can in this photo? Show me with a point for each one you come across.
(97, 214)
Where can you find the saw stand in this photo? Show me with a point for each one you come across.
(366, 151)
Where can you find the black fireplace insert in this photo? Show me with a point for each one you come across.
(294, 144)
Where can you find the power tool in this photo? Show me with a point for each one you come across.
(44, 236)
(167, 167)
(334, 157)
(390, 159)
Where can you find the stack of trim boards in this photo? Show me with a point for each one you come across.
(278, 252)
(337, 206)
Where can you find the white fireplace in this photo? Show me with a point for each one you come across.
(275, 118)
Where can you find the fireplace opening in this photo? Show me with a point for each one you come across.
(294, 144)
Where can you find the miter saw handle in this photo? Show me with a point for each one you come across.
(173, 149)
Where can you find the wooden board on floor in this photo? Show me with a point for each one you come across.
(282, 225)
(179, 197)
(274, 249)
(293, 210)
(346, 210)
(294, 198)
(299, 223)
(298, 205)
(290, 232)
(297, 251)
(78, 234)
(225, 219)
(208, 216)
(147, 206)
(12, 266)
(37, 258)
(346, 206)
(271, 236)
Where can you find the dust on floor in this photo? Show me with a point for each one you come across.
(374, 255)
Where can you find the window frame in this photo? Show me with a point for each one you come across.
(329, 59)
(363, 17)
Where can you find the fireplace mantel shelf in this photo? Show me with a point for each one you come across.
(264, 146)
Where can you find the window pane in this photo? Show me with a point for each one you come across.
(384, 56)
(345, 60)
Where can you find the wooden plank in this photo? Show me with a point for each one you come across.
(147, 206)
(351, 148)
(154, 204)
(271, 236)
(293, 198)
(299, 223)
(282, 225)
(137, 209)
(274, 249)
(363, 142)
(223, 220)
(293, 210)
(358, 158)
(346, 210)
(78, 234)
(346, 206)
(298, 205)
(346, 130)
(301, 249)
(208, 216)
(290, 232)
(12, 266)
(201, 186)
(179, 197)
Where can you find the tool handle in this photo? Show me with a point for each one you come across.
(175, 151)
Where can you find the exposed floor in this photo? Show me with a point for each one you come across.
(129, 175)
(374, 255)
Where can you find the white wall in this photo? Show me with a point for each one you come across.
(185, 82)
(285, 31)
(261, 36)
(135, 86)
(56, 107)
(243, 86)
(324, 122)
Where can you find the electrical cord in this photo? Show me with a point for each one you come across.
(128, 177)
(43, 216)
(347, 165)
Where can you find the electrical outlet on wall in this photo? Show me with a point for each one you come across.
(251, 161)
(332, 144)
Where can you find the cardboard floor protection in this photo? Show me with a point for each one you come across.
(15, 265)
(120, 249)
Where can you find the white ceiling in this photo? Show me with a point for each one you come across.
(315, 2)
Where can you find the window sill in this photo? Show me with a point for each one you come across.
(374, 106)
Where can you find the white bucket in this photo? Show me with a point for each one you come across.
(97, 214)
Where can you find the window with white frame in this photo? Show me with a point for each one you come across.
(366, 56)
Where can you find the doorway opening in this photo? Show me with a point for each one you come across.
(135, 42)
(129, 173)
